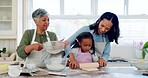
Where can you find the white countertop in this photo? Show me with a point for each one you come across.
(113, 70)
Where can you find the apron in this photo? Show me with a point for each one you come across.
(37, 57)
(99, 46)
(83, 57)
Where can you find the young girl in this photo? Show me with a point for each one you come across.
(84, 48)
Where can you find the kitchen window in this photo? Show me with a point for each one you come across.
(77, 7)
(115, 6)
(138, 7)
(67, 16)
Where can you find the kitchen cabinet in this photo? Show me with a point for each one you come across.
(8, 19)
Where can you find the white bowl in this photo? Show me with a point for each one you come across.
(13, 70)
(56, 64)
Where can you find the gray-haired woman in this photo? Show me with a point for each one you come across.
(30, 47)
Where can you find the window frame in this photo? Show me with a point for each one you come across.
(94, 15)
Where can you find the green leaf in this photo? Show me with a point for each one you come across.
(144, 48)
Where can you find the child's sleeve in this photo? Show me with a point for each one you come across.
(75, 51)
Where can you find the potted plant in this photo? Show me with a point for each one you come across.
(3, 52)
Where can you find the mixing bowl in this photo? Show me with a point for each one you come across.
(56, 64)
(56, 60)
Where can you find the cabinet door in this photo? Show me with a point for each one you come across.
(8, 19)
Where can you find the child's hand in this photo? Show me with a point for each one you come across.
(73, 64)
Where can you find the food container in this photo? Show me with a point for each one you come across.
(14, 70)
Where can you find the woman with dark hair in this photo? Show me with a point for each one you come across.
(104, 30)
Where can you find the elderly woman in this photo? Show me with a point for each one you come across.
(31, 45)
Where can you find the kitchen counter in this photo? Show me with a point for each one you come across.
(113, 70)
(106, 72)
(110, 72)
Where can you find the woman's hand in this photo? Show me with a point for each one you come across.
(102, 62)
(37, 46)
(66, 43)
